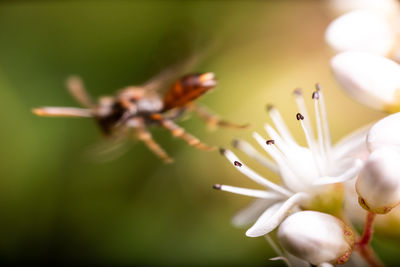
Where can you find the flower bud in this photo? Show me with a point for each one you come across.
(316, 237)
(361, 30)
(385, 133)
(378, 184)
(370, 79)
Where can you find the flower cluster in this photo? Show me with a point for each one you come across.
(308, 174)
(363, 169)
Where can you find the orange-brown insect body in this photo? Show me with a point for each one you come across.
(134, 102)
(188, 89)
(137, 107)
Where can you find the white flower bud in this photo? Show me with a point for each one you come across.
(378, 184)
(316, 237)
(385, 133)
(361, 30)
(370, 79)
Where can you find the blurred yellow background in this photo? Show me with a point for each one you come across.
(56, 206)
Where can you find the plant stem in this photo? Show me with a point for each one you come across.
(368, 230)
(363, 244)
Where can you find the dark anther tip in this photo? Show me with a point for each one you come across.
(299, 116)
(237, 163)
(317, 86)
(270, 142)
(235, 143)
(222, 151)
(217, 186)
(298, 91)
(269, 107)
(315, 95)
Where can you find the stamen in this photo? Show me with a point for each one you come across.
(317, 87)
(284, 147)
(325, 123)
(274, 246)
(253, 153)
(280, 124)
(255, 176)
(270, 142)
(269, 148)
(321, 140)
(249, 192)
(309, 142)
(288, 174)
(275, 154)
(301, 104)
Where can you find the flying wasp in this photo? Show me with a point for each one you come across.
(134, 108)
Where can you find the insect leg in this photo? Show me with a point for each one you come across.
(179, 132)
(213, 119)
(145, 136)
(62, 112)
(78, 91)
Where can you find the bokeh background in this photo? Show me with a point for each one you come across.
(56, 206)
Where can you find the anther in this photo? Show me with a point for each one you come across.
(217, 186)
(270, 107)
(237, 163)
(317, 86)
(270, 142)
(315, 95)
(235, 143)
(298, 91)
(222, 151)
(299, 116)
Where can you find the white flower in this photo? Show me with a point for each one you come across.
(304, 171)
(361, 30)
(388, 8)
(317, 238)
(370, 79)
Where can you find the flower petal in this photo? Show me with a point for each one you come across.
(250, 192)
(387, 8)
(370, 79)
(346, 176)
(281, 258)
(251, 212)
(385, 133)
(292, 261)
(275, 214)
(361, 30)
(352, 144)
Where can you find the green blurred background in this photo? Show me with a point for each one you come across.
(56, 206)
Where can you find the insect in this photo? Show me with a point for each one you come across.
(134, 108)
